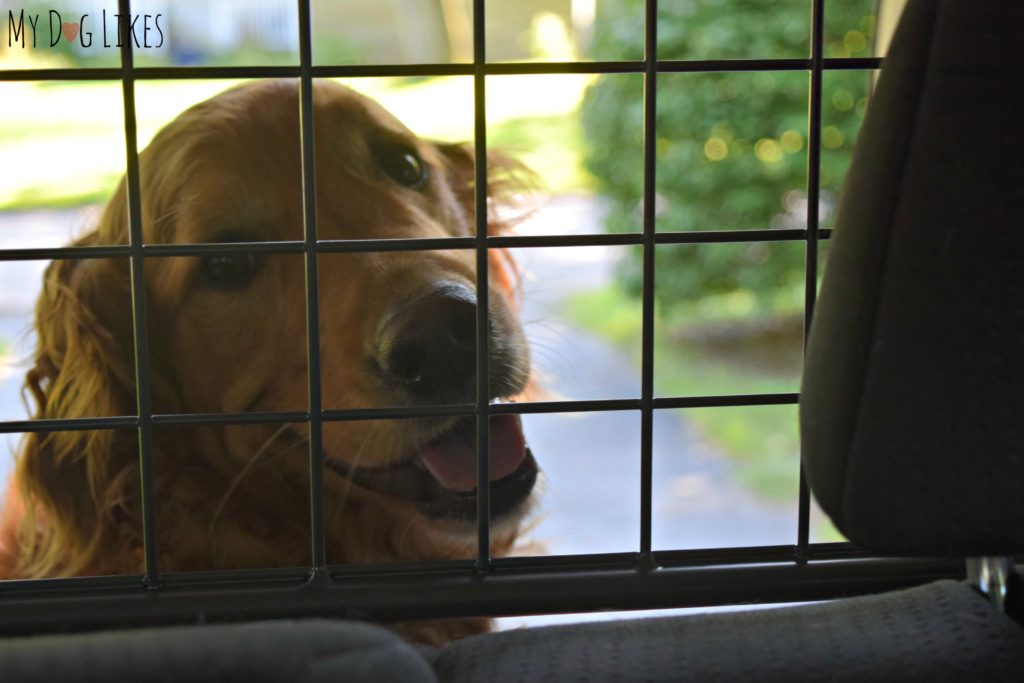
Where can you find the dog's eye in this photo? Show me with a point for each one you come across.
(404, 167)
(228, 270)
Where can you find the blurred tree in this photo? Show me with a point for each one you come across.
(731, 147)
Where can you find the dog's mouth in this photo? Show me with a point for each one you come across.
(440, 479)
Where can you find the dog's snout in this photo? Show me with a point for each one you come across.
(428, 347)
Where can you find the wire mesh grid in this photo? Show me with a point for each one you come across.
(633, 579)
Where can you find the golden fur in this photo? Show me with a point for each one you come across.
(237, 496)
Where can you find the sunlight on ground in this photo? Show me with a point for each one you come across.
(6, 362)
(63, 142)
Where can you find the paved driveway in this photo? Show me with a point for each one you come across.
(591, 461)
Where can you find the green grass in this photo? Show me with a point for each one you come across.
(550, 145)
(761, 440)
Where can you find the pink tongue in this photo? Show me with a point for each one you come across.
(452, 458)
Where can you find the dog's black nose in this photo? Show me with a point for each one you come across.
(427, 348)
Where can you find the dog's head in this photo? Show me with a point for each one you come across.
(396, 328)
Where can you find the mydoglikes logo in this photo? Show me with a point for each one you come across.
(28, 29)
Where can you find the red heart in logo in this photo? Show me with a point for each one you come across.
(70, 30)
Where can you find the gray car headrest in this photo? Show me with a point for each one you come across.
(912, 405)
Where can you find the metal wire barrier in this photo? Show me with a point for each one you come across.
(636, 578)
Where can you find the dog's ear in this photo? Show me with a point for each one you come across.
(508, 182)
(74, 483)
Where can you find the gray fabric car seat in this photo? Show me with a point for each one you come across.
(311, 651)
(942, 631)
(912, 405)
(912, 419)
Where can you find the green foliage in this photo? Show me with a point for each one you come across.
(761, 441)
(548, 145)
(731, 148)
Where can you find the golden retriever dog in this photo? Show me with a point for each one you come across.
(227, 334)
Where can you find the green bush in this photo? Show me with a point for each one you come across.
(731, 148)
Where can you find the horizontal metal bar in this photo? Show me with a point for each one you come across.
(620, 560)
(466, 69)
(230, 418)
(556, 68)
(737, 400)
(835, 63)
(63, 74)
(721, 236)
(390, 70)
(50, 253)
(632, 238)
(747, 555)
(586, 240)
(215, 72)
(397, 412)
(458, 592)
(413, 244)
(841, 63)
(534, 407)
(662, 558)
(603, 561)
(150, 73)
(405, 412)
(720, 65)
(76, 424)
(686, 558)
(590, 240)
(588, 67)
(280, 575)
(584, 406)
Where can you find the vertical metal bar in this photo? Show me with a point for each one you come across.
(811, 254)
(140, 326)
(647, 352)
(316, 456)
(483, 423)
